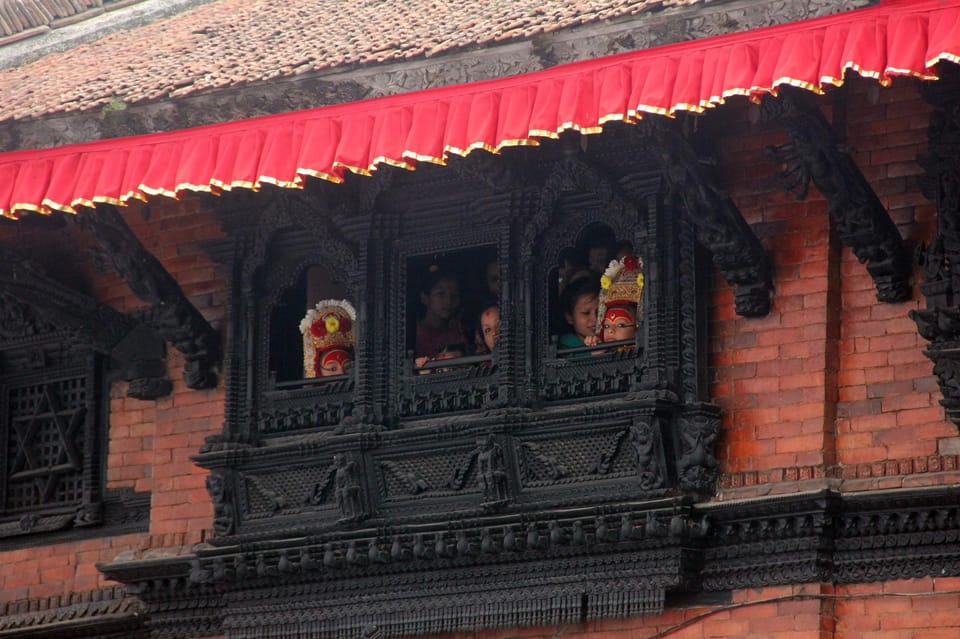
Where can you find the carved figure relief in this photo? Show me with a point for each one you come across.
(645, 441)
(221, 495)
(491, 472)
(697, 465)
(347, 490)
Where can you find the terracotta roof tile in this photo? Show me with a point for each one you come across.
(228, 42)
(22, 18)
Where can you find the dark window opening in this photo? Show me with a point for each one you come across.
(595, 295)
(453, 309)
(312, 329)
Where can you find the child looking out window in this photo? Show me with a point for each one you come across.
(579, 303)
(441, 324)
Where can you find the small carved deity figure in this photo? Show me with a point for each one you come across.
(347, 490)
(491, 471)
(328, 340)
(223, 514)
(644, 440)
(621, 289)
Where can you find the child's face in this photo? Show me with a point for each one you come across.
(584, 316)
(619, 324)
(598, 258)
(336, 362)
(490, 327)
(443, 300)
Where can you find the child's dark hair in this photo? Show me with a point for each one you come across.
(433, 276)
(580, 285)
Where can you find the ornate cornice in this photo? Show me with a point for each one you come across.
(494, 571)
(829, 536)
(100, 614)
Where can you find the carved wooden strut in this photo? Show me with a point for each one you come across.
(32, 302)
(940, 262)
(719, 225)
(815, 154)
(170, 313)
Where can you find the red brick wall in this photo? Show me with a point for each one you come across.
(832, 383)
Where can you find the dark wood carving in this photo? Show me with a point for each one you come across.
(34, 305)
(109, 613)
(815, 154)
(275, 240)
(563, 568)
(939, 322)
(171, 314)
(58, 351)
(477, 484)
(718, 224)
(828, 537)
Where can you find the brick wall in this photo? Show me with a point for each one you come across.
(832, 384)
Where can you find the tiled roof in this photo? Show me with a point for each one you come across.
(226, 43)
(20, 19)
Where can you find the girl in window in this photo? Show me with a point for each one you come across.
(441, 324)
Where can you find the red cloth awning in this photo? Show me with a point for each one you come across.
(894, 38)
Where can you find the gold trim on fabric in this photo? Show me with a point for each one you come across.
(409, 158)
(949, 57)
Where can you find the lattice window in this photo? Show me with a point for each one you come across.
(49, 443)
(45, 426)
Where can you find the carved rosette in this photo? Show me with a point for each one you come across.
(939, 322)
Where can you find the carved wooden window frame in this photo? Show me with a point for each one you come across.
(457, 390)
(583, 377)
(313, 405)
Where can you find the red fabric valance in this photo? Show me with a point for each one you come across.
(894, 38)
